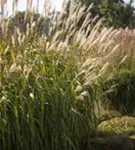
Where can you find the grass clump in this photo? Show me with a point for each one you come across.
(52, 83)
(118, 92)
(38, 103)
(124, 125)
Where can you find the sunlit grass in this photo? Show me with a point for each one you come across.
(54, 77)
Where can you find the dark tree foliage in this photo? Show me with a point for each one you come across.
(116, 13)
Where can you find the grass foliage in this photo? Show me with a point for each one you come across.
(52, 83)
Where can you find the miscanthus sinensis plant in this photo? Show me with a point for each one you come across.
(49, 84)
